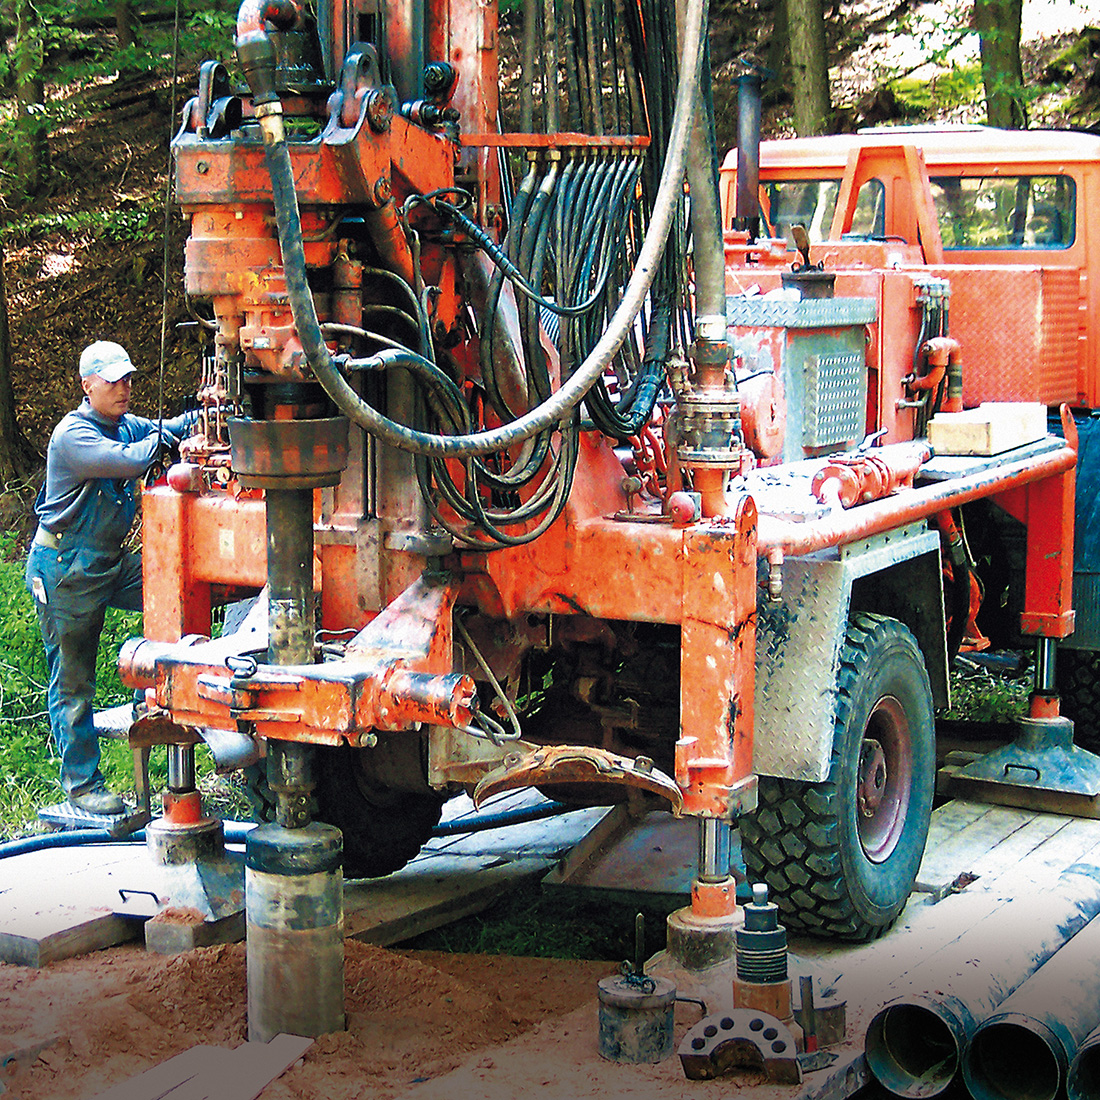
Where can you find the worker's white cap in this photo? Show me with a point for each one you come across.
(107, 359)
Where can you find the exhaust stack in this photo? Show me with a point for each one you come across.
(747, 209)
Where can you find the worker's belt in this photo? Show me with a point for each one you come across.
(42, 537)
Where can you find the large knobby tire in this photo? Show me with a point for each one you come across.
(840, 857)
(383, 828)
(1077, 677)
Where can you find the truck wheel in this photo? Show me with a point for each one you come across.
(840, 857)
(1077, 677)
(383, 828)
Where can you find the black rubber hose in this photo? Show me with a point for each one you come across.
(236, 832)
(552, 411)
(516, 217)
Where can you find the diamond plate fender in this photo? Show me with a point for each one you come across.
(799, 637)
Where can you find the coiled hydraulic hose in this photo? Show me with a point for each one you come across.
(551, 412)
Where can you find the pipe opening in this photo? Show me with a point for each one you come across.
(1009, 1061)
(1084, 1075)
(912, 1051)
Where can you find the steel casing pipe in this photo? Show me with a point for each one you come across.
(915, 1042)
(294, 901)
(1083, 1081)
(1023, 1051)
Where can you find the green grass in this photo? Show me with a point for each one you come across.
(980, 695)
(556, 924)
(29, 766)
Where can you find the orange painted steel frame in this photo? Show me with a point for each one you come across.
(702, 577)
(399, 670)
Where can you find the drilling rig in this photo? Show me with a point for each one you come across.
(521, 464)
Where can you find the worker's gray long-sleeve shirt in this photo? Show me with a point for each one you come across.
(86, 447)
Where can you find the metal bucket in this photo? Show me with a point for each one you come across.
(636, 1018)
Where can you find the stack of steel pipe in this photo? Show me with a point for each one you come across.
(915, 1042)
(1084, 1070)
(1023, 1051)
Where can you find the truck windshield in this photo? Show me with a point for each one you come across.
(985, 212)
(811, 203)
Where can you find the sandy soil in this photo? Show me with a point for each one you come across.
(412, 1017)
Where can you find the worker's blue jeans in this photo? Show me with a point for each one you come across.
(75, 587)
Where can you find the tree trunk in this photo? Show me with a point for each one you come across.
(998, 25)
(31, 150)
(127, 25)
(17, 458)
(777, 58)
(809, 67)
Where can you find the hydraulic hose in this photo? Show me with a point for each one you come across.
(555, 409)
(254, 47)
(237, 831)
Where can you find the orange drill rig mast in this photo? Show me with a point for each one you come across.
(513, 509)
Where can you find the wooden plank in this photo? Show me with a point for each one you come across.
(214, 1073)
(990, 429)
(656, 855)
(60, 934)
(1079, 842)
(161, 1080)
(962, 850)
(922, 930)
(1021, 845)
(172, 937)
(60, 902)
(595, 846)
(431, 892)
(549, 837)
(1031, 856)
(256, 1065)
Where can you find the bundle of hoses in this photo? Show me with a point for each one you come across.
(556, 411)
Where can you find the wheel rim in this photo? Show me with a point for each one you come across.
(883, 779)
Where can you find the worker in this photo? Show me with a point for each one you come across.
(77, 566)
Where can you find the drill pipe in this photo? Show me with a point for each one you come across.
(1023, 1051)
(915, 1043)
(1083, 1082)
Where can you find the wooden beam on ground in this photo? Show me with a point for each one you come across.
(40, 939)
(214, 1073)
(430, 892)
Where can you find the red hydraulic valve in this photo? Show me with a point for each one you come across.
(869, 475)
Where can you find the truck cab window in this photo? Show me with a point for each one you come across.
(812, 203)
(1026, 212)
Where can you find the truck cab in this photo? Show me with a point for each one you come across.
(1001, 217)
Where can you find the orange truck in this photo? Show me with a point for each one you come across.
(506, 479)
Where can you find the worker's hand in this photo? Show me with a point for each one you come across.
(168, 453)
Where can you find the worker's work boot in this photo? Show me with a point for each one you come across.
(102, 802)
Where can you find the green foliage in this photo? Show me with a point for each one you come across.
(979, 695)
(960, 86)
(124, 223)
